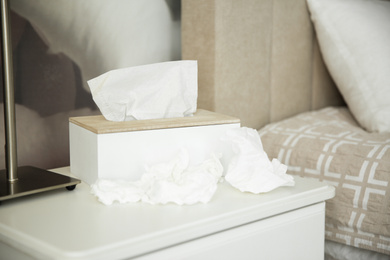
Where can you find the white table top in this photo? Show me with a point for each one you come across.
(65, 224)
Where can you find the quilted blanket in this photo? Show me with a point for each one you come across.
(330, 146)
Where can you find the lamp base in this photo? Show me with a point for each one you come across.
(33, 180)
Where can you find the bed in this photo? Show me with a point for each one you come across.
(274, 64)
(329, 145)
(59, 45)
(313, 76)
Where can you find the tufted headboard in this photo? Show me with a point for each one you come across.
(258, 60)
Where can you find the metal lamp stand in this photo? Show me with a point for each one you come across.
(20, 181)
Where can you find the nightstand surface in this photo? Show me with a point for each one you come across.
(74, 225)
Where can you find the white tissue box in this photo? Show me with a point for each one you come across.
(121, 150)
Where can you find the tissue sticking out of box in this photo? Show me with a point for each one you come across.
(170, 182)
(160, 90)
(250, 169)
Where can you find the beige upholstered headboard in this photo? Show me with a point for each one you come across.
(258, 59)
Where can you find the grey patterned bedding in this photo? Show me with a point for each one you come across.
(330, 146)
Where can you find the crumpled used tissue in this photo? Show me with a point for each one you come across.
(160, 90)
(173, 181)
(250, 169)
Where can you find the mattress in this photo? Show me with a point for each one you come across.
(330, 146)
(338, 251)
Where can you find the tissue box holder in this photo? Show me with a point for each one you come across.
(120, 150)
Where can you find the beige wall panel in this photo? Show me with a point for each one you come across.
(198, 43)
(243, 45)
(291, 59)
(325, 92)
(257, 59)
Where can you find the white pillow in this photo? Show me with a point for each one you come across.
(101, 35)
(354, 37)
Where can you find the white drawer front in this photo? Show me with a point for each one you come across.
(297, 234)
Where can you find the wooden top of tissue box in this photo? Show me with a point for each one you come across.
(99, 125)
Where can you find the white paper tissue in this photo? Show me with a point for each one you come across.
(250, 169)
(160, 90)
(173, 181)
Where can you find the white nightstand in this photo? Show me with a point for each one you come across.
(287, 223)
